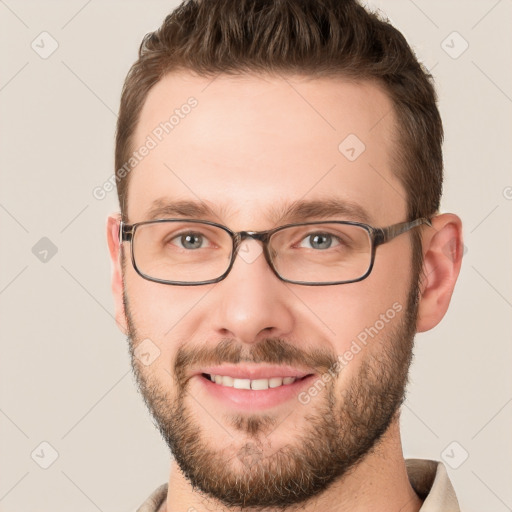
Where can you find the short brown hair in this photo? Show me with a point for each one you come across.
(314, 38)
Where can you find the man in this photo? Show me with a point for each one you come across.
(275, 363)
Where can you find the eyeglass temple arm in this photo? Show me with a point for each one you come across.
(125, 232)
(383, 235)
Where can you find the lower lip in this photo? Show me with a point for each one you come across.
(250, 400)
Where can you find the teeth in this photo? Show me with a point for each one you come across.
(256, 384)
(260, 384)
(237, 383)
(275, 382)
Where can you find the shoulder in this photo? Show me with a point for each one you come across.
(155, 501)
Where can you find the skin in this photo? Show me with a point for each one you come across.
(252, 143)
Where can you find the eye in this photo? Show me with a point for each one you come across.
(319, 240)
(189, 240)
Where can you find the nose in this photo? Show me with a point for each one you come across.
(252, 302)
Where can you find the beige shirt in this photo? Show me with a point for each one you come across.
(428, 478)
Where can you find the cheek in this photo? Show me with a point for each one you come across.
(391, 275)
(161, 313)
(358, 313)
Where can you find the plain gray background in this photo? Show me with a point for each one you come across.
(64, 367)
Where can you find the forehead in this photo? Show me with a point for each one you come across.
(249, 146)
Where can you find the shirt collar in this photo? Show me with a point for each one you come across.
(430, 481)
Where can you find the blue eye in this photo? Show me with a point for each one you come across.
(320, 241)
(190, 240)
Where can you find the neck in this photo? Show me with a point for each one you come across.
(378, 482)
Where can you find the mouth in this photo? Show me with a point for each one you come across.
(252, 384)
(253, 394)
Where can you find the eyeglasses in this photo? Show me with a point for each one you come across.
(192, 252)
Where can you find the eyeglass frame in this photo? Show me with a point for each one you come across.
(378, 236)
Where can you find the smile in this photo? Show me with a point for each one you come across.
(254, 384)
(253, 394)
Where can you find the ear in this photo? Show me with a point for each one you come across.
(442, 257)
(117, 274)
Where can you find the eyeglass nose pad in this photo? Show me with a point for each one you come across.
(250, 250)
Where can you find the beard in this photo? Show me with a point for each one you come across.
(339, 429)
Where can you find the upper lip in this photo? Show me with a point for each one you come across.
(254, 372)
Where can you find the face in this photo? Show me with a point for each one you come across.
(249, 149)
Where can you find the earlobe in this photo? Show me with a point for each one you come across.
(442, 259)
(117, 273)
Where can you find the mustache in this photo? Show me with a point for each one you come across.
(269, 350)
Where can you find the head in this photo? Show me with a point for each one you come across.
(248, 109)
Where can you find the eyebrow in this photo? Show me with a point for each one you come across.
(297, 211)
